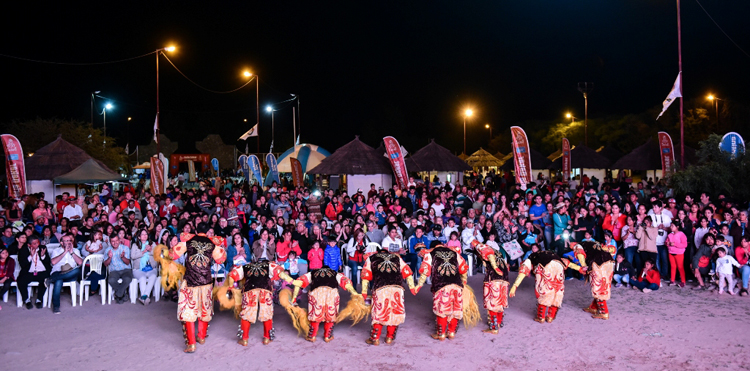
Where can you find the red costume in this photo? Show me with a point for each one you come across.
(600, 268)
(323, 299)
(496, 284)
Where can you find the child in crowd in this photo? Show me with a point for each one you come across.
(610, 243)
(315, 256)
(454, 243)
(623, 271)
(649, 279)
(294, 265)
(534, 248)
(724, 266)
(380, 214)
(332, 256)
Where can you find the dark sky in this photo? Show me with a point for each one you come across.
(405, 69)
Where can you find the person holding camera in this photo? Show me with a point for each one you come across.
(662, 221)
(647, 238)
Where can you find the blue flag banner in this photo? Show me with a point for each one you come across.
(254, 164)
(273, 170)
(215, 164)
(732, 143)
(244, 167)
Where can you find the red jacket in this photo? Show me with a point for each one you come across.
(332, 212)
(652, 276)
(315, 258)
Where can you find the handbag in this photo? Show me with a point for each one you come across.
(513, 248)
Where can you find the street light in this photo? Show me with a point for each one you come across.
(170, 49)
(716, 100)
(467, 113)
(93, 95)
(104, 113)
(271, 111)
(487, 126)
(249, 74)
(571, 117)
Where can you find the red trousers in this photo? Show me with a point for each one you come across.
(677, 262)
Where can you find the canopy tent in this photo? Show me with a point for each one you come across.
(143, 166)
(648, 157)
(360, 163)
(89, 172)
(309, 155)
(483, 158)
(436, 160)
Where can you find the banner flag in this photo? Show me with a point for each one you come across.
(521, 156)
(191, 170)
(674, 94)
(296, 172)
(253, 132)
(273, 170)
(666, 151)
(156, 128)
(732, 143)
(244, 167)
(157, 176)
(254, 164)
(396, 158)
(14, 166)
(215, 164)
(566, 159)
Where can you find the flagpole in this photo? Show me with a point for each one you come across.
(158, 131)
(257, 109)
(679, 52)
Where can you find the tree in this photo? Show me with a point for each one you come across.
(717, 172)
(35, 134)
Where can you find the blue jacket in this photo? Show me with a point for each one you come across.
(413, 241)
(232, 252)
(332, 257)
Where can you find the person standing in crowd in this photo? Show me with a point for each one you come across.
(676, 243)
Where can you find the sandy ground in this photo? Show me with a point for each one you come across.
(668, 329)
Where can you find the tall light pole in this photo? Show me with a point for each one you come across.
(679, 59)
(158, 124)
(104, 113)
(249, 74)
(271, 110)
(586, 88)
(467, 113)
(487, 126)
(716, 100)
(93, 95)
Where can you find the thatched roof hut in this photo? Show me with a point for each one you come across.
(434, 157)
(610, 152)
(648, 157)
(55, 159)
(499, 155)
(483, 158)
(538, 161)
(582, 157)
(463, 156)
(354, 157)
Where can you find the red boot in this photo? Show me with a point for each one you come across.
(202, 332)
(391, 335)
(500, 319)
(602, 310)
(327, 332)
(541, 310)
(313, 333)
(375, 334)
(452, 328)
(188, 332)
(245, 325)
(552, 314)
(441, 325)
(268, 332)
(592, 308)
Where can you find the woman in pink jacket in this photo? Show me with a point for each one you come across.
(676, 244)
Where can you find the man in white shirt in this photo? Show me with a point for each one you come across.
(66, 267)
(73, 211)
(662, 222)
(35, 267)
(450, 228)
(392, 242)
(438, 207)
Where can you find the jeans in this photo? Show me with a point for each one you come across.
(645, 255)
(411, 259)
(354, 268)
(548, 232)
(57, 279)
(662, 260)
(644, 285)
(624, 278)
(5, 287)
(630, 253)
(745, 272)
(93, 278)
(126, 275)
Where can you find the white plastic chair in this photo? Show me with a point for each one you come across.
(95, 264)
(132, 291)
(16, 271)
(19, 298)
(347, 269)
(46, 299)
(73, 285)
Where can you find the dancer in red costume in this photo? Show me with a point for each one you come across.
(495, 286)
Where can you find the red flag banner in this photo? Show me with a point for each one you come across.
(521, 156)
(14, 166)
(566, 159)
(666, 151)
(397, 161)
(157, 176)
(296, 172)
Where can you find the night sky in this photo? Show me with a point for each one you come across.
(405, 69)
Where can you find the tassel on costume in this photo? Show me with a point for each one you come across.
(471, 308)
(298, 315)
(171, 272)
(355, 309)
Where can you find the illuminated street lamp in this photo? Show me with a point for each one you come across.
(104, 113)
(487, 126)
(716, 100)
(270, 110)
(467, 113)
(248, 75)
(170, 49)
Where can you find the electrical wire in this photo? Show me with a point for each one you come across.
(207, 89)
(721, 29)
(76, 64)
